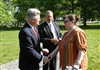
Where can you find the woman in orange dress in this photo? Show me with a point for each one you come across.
(72, 46)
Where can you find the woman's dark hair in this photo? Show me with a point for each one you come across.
(77, 18)
(72, 17)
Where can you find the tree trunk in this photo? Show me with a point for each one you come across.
(72, 6)
(85, 21)
(85, 12)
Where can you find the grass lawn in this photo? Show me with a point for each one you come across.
(9, 47)
(93, 50)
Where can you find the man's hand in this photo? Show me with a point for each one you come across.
(45, 60)
(54, 40)
(45, 51)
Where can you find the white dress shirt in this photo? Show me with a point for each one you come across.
(53, 30)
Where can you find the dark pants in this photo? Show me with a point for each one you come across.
(29, 69)
(51, 65)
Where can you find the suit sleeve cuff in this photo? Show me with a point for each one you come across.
(42, 59)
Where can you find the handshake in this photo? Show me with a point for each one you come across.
(46, 51)
(47, 58)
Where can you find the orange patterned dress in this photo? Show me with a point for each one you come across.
(70, 45)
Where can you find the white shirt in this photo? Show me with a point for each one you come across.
(31, 25)
(53, 30)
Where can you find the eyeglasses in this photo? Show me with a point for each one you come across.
(65, 21)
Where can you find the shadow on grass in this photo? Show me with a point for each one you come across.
(10, 29)
(90, 27)
(62, 27)
(84, 27)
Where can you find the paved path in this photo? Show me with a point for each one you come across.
(13, 65)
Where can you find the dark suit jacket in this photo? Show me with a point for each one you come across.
(46, 35)
(29, 49)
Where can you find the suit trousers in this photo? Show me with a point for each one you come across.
(29, 69)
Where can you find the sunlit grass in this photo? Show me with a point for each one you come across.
(93, 50)
(9, 47)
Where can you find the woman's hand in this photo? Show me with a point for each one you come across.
(76, 66)
(53, 53)
(50, 55)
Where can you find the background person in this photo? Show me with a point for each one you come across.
(49, 35)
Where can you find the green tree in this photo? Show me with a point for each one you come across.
(41, 5)
(89, 9)
(6, 13)
(22, 6)
(55, 6)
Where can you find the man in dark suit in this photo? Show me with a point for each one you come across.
(29, 41)
(49, 35)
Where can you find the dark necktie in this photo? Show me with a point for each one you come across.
(35, 31)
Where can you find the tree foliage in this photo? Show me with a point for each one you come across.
(42, 5)
(10, 9)
(6, 13)
(89, 9)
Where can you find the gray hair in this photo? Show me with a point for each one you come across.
(32, 13)
(49, 11)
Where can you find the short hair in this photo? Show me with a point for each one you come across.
(49, 11)
(72, 17)
(32, 13)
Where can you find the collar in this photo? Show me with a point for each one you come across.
(30, 25)
(49, 23)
